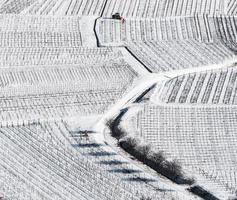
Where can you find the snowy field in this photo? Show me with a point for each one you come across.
(67, 68)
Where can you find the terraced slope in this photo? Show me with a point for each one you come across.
(202, 139)
(173, 43)
(30, 94)
(32, 31)
(165, 8)
(55, 170)
(53, 70)
(210, 87)
(60, 165)
(53, 7)
(37, 56)
(14, 6)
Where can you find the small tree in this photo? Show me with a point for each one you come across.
(158, 157)
(128, 143)
(142, 152)
(173, 168)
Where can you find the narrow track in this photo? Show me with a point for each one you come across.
(132, 54)
(98, 41)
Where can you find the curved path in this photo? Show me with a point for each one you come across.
(141, 85)
(102, 136)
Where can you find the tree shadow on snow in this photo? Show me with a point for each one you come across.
(139, 179)
(124, 171)
(102, 153)
(87, 145)
(112, 162)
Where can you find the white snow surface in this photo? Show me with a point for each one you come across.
(97, 123)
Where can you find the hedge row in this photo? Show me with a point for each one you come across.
(155, 160)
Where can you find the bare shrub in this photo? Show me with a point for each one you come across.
(128, 143)
(158, 157)
(115, 130)
(173, 168)
(142, 152)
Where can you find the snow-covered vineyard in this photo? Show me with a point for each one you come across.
(209, 87)
(161, 73)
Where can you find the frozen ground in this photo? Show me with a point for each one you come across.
(59, 88)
